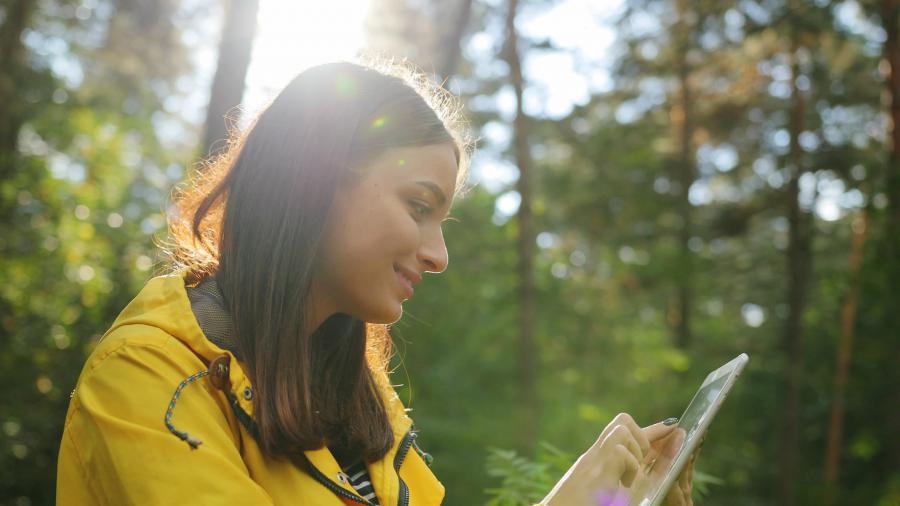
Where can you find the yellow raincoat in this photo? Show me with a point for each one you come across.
(117, 449)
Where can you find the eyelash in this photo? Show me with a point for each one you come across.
(421, 209)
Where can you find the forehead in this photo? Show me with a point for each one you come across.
(435, 163)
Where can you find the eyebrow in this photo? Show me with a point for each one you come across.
(435, 189)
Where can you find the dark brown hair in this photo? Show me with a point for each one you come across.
(254, 217)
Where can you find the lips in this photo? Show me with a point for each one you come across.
(406, 284)
(407, 279)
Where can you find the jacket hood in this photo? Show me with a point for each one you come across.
(163, 303)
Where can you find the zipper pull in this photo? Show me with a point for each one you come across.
(425, 455)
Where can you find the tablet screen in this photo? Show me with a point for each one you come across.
(699, 407)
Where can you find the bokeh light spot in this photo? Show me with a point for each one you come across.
(44, 385)
(82, 212)
(143, 263)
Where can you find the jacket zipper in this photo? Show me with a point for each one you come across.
(249, 424)
(403, 499)
(403, 496)
(321, 478)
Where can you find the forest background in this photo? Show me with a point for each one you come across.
(715, 177)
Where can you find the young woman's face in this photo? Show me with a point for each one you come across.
(384, 232)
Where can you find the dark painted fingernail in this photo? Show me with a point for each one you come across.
(670, 421)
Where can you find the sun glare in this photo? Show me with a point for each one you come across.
(292, 36)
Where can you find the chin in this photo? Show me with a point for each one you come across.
(384, 316)
(395, 317)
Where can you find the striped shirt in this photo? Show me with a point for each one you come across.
(359, 478)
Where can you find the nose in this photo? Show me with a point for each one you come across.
(432, 254)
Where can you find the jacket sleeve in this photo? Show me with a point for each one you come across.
(117, 450)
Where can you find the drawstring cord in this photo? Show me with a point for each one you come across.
(184, 436)
(218, 373)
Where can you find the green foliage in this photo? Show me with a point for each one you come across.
(702, 484)
(80, 209)
(523, 482)
(103, 138)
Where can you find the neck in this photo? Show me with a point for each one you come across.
(318, 309)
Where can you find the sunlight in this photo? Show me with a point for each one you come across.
(292, 36)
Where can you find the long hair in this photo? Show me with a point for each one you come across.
(254, 217)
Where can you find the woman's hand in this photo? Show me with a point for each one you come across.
(680, 493)
(614, 460)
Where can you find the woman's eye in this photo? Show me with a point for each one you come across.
(420, 209)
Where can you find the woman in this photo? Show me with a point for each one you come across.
(256, 373)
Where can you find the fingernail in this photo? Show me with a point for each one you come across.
(670, 421)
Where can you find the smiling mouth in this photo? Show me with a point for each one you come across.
(405, 282)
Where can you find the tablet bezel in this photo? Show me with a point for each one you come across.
(733, 369)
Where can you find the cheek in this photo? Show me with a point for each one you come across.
(373, 232)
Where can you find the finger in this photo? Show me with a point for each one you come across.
(615, 422)
(636, 432)
(699, 447)
(683, 497)
(702, 440)
(684, 480)
(689, 480)
(679, 496)
(673, 498)
(658, 431)
(674, 443)
(630, 465)
(660, 439)
(666, 452)
(622, 436)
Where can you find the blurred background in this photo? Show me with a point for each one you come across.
(660, 186)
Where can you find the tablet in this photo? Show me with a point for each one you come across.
(662, 472)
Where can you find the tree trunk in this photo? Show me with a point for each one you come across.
(452, 40)
(799, 257)
(842, 369)
(682, 121)
(231, 71)
(890, 15)
(12, 65)
(525, 239)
